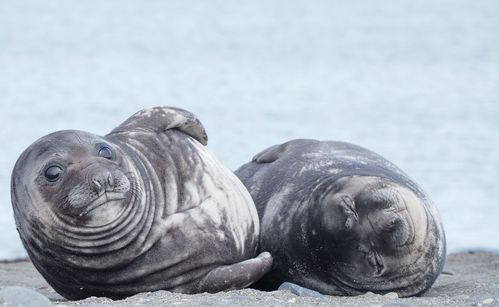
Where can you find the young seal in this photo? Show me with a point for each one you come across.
(342, 220)
(144, 208)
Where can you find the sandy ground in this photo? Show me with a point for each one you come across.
(469, 279)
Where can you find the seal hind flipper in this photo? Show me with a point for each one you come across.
(161, 119)
(236, 276)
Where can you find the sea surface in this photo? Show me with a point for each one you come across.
(415, 81)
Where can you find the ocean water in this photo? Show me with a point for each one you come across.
(415, 81)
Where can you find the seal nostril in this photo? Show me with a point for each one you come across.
(110, 180)
(96, 185)
(380, 266)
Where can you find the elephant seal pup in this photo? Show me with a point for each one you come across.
(144, 208)
(342, 220)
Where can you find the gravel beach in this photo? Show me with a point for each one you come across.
(469, 279)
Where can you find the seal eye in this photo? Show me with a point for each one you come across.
(105, 152)
(52, 173)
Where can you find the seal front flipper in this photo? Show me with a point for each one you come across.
(161, 119)
(270, 154)
(236, 276)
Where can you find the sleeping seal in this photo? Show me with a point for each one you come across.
(146, 207)
(342, 220)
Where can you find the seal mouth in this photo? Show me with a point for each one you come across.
(103, 199)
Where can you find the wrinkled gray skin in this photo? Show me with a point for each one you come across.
(159, 213)
(342, 220)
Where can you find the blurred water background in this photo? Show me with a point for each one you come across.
(416, 81)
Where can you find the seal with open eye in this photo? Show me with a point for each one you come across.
(342, 220)
(144, 208)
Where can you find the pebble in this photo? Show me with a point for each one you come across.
(298, 290)
(391, 295)
(20, 296)
(483, 299)
(235, 300)
(396, 304)
(488, 301)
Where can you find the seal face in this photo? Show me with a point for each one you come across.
(144, 208)
(342, 220)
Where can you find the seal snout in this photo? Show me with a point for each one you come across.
(100, 187)
(103, 181)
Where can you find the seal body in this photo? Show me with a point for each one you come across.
(143, 208)
(342, 220)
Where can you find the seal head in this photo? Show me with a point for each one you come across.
(78, 178)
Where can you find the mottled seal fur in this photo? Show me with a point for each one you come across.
(342, 220)
(143, 208)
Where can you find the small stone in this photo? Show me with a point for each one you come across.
(488, 301)
(391, 295)
(370, 294)
(20, 296)
(292, 301)
(298, 290)
(483, 299)
(396, 304)
(236, 300)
